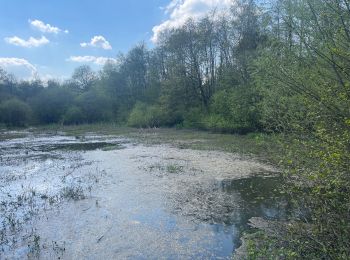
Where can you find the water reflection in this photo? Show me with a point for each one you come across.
(227, 205)
(149, 201)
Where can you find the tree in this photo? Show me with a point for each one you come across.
(14, 112)
(84, 77)
(95, 105)
(50, 104)
(7, 85)
(304, 81)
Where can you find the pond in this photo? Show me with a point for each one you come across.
(100, 196)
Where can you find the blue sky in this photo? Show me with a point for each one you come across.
(52, 37)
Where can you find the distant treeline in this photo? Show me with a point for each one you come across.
(281, 67)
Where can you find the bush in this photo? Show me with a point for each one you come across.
(14, 112)
(233, 111)
(96, 106)
(50, 105)
(194, 118)
(74, 115)
(144, 115)
(219, 123)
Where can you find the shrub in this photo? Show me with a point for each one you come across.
(143, 115)
(233, 111)
(50, 105)
(74, 115)
(194, 118)
(95, 105)
(14, 112)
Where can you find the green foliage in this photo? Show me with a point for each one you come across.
(262, 246)
(321, 185)
(137, 116)
(73, 116)
(194, 118)
(144, 115)
(303, 79)
(50, 104)
(281, 69)
(7, 85)
(95, 105)
(14, 112)
(233, 110)
(83, 78)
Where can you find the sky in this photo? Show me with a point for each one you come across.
(50, 38)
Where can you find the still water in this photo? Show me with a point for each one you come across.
(95, 197)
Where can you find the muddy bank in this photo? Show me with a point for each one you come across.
(99, 196)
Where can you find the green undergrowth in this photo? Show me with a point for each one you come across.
(264, 247)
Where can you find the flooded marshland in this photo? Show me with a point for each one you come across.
(102, 196)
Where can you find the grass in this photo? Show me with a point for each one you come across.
(173, 168)
(73, 193)
(34, 246)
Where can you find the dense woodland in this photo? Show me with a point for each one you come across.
(279, 68)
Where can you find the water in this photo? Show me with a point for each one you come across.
(96, 197)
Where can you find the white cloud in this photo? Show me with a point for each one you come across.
(179, 11)
(45, 78)
(20, 66)
(31, 42)
(91, 59)
(45, 28)
(98, 42)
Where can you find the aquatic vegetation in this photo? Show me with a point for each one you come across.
(73, 193)
(162, 191)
